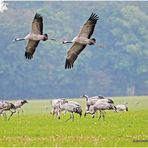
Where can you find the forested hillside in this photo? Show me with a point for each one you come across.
(120, 68)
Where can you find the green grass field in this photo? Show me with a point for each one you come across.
(38, 128)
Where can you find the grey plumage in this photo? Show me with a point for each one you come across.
(100, 106)
(72, 108)
(55, 104)
(18, 105)
(121, 107)
(90, 101)
(89, 98)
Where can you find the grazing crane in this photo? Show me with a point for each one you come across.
(55, 104)
(6, 106)
(35, 36)
(72, 102)
(101, 106)
(89, 101)
(121, 107)
(18, 105)
(72, 108)
(80, 41)
(92, 100)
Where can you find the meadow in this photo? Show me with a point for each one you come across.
(37, 128)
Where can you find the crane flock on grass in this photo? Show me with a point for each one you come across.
(79, 42)
(93, 104)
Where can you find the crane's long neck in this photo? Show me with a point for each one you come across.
(19, 39)
(60, 105)
(86, 97)
(65, 42)
(68, 41)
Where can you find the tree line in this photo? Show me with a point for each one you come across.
(120, 68)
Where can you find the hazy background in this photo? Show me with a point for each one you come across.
(119, 69)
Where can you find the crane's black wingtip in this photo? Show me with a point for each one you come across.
(94, 17)
(68, 65)
(37, 15)
(28, 55)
